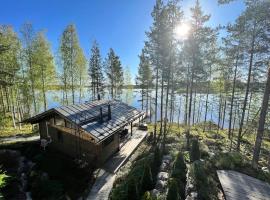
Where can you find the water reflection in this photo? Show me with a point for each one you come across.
(133, 98)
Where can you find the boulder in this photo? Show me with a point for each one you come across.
(161, 185)
(163, 176)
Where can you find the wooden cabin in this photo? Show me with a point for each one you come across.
(88, 131)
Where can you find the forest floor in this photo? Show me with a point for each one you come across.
(201, 177)
(46, 174)
(7, 129)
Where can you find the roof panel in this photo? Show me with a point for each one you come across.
(87, 115)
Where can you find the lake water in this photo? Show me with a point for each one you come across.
(133, 98)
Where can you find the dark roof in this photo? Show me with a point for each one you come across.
(87, 115)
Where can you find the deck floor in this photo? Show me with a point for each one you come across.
(104, 182)
(238, 186)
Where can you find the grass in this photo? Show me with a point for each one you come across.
(7, 129)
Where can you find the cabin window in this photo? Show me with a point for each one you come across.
(59, 121)
(60, 137)
(108, 141)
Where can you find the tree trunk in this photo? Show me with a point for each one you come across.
(224, 114)
(207, 96)
(232, 98)
(161, 103)
(260, 130)
(179, 113)
(247, 92)
(156, 102)
(194, 105)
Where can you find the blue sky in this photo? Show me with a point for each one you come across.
(120, 24)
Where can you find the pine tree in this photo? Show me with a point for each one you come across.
(95, 71)
(144, 78)
(114, 72)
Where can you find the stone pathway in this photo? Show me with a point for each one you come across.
(106, 176)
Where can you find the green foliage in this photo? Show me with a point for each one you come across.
(132, 189)
(205, 184)
(147, 179)
(95, 71)
(114, 72)
(3, 179)
(73, 61)
(230, 161)
(147, 196)
(195, 153)
(140, 179)
(173, 192)
(156, 162)
(179, 168)
(47, 189)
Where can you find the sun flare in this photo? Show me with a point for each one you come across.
(181, 31)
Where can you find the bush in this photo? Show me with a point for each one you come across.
(132, 190)
(179, 169)
(173, 192)
(147, 196)
(205, 185)
(47, 189)
(195, 153)
(230, 161)
(156, 162)
(147, 179)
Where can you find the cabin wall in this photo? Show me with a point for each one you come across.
(70, 144)
(42, 129)
(73, 146)
(111, 148)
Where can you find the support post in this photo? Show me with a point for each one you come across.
(131, 131)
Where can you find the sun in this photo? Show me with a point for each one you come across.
(181, 31)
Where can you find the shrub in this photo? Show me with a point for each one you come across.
(156, 162)
(47, 189)
(132, 190)
(147, 196)
(173, 192)
(3, 179)
(229, 161)
(195, 153)
(147, 180)
(179, 169)
(204, 183)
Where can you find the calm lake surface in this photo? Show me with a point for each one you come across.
(133, 98)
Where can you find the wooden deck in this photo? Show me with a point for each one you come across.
(238, 186)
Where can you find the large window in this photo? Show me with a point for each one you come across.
(108, 141)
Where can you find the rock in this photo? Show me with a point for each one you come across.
(265, 169)
(161, 185)
(167, 158)
(163, 176)
(154, 193)
(211, 154)
(164, 167)
(192, 196)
